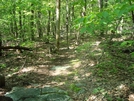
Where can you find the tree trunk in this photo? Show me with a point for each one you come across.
(48, 25)
(0, 44)
(32, 22)
(101, 9)
(106, 3)
(67, 22)
(84, 8)
(57, 24)
(24, 27)
(53, 24)
(100, 2)
(72, 17)
(20, 23)
(15, 22)
(132, 14)
(2, 81)
(39, 25)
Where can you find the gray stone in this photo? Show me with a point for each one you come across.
(38, 94)
(18, 93)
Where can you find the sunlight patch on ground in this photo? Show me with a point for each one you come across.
(71, 47)
(91, 63)
(122, 89)
(75, 63)
(60, 70)
(63, 48)
(42, 69)
(96, 98)
(60, 67)
(131, 97)
(96, 43)
(88, 74)
(76, 78)
(43, 66)
(23, 70)
(56, 83)
(71, 56)
(28, 69)
(60, 83)
(92, 98)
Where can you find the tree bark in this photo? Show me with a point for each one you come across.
(101, 9)
(132, 12)
(67, 22)
(57, 24)
(14, 20)
(0, 44)
(2, 81)
(32, 22)
(53, 24)
(48, 25)
(20, 23)
(39, 25)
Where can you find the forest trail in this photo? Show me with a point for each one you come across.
(53, 70)
(42, 69)
(69, 70)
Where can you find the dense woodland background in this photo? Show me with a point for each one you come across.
(100, 33)
(24, 22)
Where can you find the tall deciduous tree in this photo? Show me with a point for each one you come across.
(67, 22)
(32, 21)
(15, 28)
(58, 2)
(39, 27)
(48, 25)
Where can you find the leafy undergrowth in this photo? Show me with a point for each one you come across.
(87, 73)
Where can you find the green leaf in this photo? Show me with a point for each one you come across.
(2, 65)
(132, 54)
(96, 90)
(83, 30)
(127, 43)
(105, 14)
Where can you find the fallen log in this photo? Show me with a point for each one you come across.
(15, 47)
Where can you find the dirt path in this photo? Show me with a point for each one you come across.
(73, 72)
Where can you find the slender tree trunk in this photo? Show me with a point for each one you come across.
(72, 12)
(100, 2)
(53, 24)
(20, 23)
(32, 22)
(58, 24)
(0, 44)
(132, 13)
(72, 17)
(106, 3)
(11, 26)
(83, 14)
(67, 22)
(24, 28)
(39, 25)
(15, 22)
(48, 25)
(84, 8)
